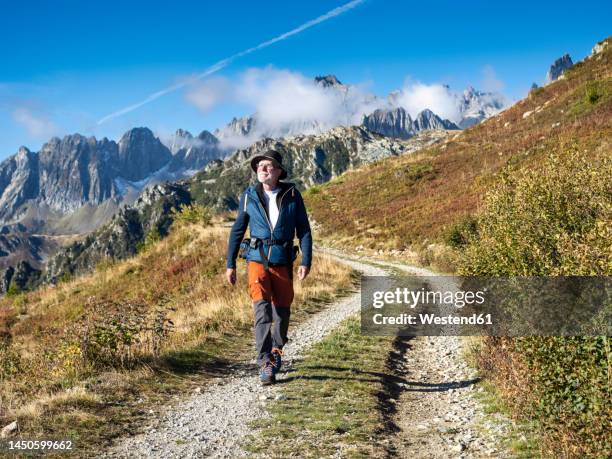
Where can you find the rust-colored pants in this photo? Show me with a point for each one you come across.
(274, 285)
(272, 293)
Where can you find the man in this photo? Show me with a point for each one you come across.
(275, 212)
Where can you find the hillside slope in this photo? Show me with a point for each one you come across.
(84, 358)
(400, 202)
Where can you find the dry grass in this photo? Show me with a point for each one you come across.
(51, 380)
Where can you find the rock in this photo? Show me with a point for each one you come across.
(396, 122)
(475, 106)
(327, 81)
(599, 47)
(391, 123)
(197, 390)
(263, 397)
(8, 429)
(427, 119)
(280, 397)
(558, 68)
(140, 153)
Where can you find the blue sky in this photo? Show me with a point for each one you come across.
(66, 64)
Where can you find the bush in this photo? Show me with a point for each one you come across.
(10, 361)
(118, 333)
(461, 232)
(13, 289)
(151, 238)
(592, 93)
(551, 221)
(193, 213)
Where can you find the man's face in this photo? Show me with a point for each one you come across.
(267, 172)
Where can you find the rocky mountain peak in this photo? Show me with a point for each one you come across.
(327, 81)
(140, 154)
(427, 119)
(23, 152)
(469, 92)
(236, 127)
(183, 133)
(180, 139)
(134, 135)
(397, 123)
(558, 67)
(475, 106)
(394, 123)
(207, 137)
(195, 152)
(426, 113)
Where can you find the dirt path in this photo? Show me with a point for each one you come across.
(438, 414)
(436, 395)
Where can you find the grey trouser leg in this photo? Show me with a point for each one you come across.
(271, 324)
(280, 327)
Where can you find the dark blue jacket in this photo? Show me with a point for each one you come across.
(292, 221)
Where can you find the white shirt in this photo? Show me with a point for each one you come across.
(270, 197)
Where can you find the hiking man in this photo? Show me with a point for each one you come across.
(275, 212)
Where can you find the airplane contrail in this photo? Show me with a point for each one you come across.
(225, 62)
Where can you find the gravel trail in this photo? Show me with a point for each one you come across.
(213, 422)
(438, 413)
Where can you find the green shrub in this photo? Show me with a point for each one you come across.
(315, 189)
(66, 277)
(10, 361)
(592, 93)
(554, 220)
(119, 333)
(13, 289)
(151, 238)
(193, 213)
(535, 92)
(461, 232)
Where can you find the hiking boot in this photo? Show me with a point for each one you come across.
(275, 359)
(267, 374)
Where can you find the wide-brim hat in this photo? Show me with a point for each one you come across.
(275, 157)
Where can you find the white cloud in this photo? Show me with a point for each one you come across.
(416, 97)
(284, 97)
(284, 103)
(37, 123)
(210, 93)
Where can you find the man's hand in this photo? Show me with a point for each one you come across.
(230, 274)
(303, 272)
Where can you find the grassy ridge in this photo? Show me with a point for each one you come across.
(88, 359)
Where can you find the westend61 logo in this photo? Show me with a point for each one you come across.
(517, 306)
